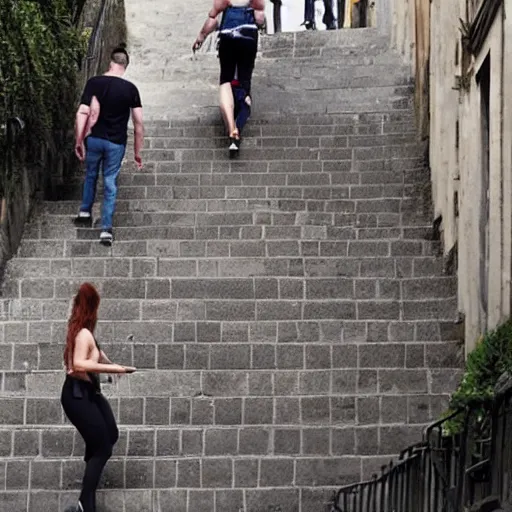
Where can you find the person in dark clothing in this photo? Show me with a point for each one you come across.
(242, 105)
(309, 15)
(101, 136)
(84, 405)
(238, 46)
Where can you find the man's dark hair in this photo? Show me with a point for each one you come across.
(120, 56)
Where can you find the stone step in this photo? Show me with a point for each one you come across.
(330, 178)
(303, 77)
(290, 212)
(192, 355)
(236, 310)
(249, 499)
(268, 121)
(390, 186)
(63, 259)
(312, 141)
(162, 332)
(300, 288)
(357, 178)
(275, 100)
(412, 250)
(294, 383)
(392, 225)
(272, 153)
(145, 420)
(333, 197)
(262, 132)
(377, 241)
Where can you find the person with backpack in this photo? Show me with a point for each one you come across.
(238, 46)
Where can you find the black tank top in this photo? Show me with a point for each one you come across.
(95, 378)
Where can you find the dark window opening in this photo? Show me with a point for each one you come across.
(484, 81)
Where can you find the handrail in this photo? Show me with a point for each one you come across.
(444, 473)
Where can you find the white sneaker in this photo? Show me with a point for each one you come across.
(106, 237)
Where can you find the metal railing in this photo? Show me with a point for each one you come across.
(445, 473)
(10, 132)
(95, 41)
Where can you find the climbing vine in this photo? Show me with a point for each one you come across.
(485, 365)
(41, 48)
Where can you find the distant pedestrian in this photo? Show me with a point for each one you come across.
(81, 398)
(309, 15)
(101, 136)
(237, 53)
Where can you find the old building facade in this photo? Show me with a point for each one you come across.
(459, 51)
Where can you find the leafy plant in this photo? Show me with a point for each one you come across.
(40, 48)
(491, 358)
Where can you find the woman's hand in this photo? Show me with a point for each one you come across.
(129, 369)
(198, 43)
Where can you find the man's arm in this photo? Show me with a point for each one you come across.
(138, 131)
(94, 114)
(81, 121)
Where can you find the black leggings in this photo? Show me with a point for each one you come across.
(237, 57)
(92, 416)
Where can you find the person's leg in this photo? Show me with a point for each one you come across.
(93, 159)
(227, 107)
(108, 416)
(87, 416)
(114, 154)
(309, 11)
(245, 67)
(108, 434)
(328, 19)
(227, 57)
(243, 110)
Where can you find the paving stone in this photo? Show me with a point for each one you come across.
(293, 322)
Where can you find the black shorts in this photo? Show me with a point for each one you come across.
(237, 57)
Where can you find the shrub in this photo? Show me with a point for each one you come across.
(491, 358)
(41, 48)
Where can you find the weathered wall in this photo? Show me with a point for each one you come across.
(475, 207)
(106, 22)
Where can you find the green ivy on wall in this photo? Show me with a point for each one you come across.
(41, 48)
(491, 358)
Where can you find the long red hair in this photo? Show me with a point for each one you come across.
(83, 316)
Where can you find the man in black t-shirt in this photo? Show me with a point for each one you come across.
(102, 122)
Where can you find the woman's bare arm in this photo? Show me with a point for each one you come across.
(104, 358)
(211, 23)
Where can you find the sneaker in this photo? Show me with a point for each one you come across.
(106, 237)
(83, 220)
(74, 508)
(234, 146)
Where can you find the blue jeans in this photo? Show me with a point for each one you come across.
(242, 110)
(109, 155)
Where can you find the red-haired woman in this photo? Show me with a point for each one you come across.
(81, 397)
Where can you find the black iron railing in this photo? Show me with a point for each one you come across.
(10, 132)
(445, 473)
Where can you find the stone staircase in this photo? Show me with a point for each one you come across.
(288, 310)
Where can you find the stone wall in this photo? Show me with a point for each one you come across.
(470, 147)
